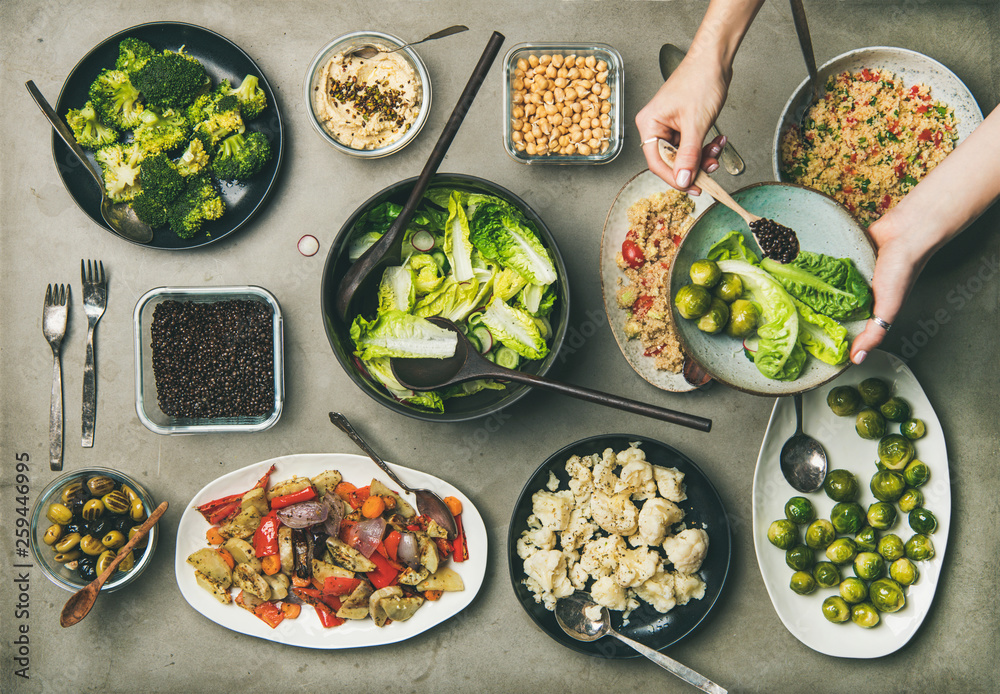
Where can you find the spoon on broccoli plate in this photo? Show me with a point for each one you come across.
(118, 216)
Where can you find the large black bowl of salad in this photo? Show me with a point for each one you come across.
(474, 253)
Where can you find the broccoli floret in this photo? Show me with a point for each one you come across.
(161, 132)
(219, 99)
(251, 96)
(115, 99)
(219, 125)
(194, 158)
(133, 54)
(200, 201)
(171, 80)
(88, 129)
(241, 157)
(159, 178)
(121, 164)
(149, 210)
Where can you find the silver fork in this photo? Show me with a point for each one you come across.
(95, 300)
(54, 318)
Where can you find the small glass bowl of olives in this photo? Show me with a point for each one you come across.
(82, 519)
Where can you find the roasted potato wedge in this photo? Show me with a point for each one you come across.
(328, 479)
(321, 570)
(252, 582)
(376, 599)
(401, 609)
(243, 552)
(279, 585)
(355, 606)
(285, 553)
(210, 563)
(435, 530)
(348, 557)
(444, 578)
(289, 486)
(409, 577)
(429, 557)
(218, 591)
(256, 498)
(244, 525)
(402, 508)
(248, 601)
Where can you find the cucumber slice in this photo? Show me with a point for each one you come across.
(506, 357)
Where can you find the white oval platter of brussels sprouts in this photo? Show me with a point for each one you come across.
(852, 568)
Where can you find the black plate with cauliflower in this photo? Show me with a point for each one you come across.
(222, 59)
(703, 509)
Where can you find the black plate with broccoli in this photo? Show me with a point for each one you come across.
(204, 193)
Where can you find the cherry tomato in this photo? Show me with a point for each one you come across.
(642, 305)
(633, 254)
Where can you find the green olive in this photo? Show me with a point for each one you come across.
(911, 499)
(866, 539)
(891, 547)
(827, 574)
(870, 424)
(895, 409)
(903, 571)
(782, 534)
(59, 513)
(865, 615)
(820, 534)
(853, 590)
(715, 318)
(847, 517)
(67, 542)
(130, 493)
(52, 534)
(913, 429)
(743, 318)
(800, 510)
(128, 562)
(100, 485)
(729, 288)
(93, 509)
(692, 301)
(705, 273)
(842, 550)
(64, 557)
(116, 501)
(887, 485)
(916, 473)
(868, 566)
(137, 510)
(874, 391)
(803, 583)
(922, 521)
(132, 532)
(895, 451)
(113, 540)
(836, 610)
(841, 485)
(91, 545)
(73, 491)
(886, 595)
(881, 515)
(800, 558)
(104, 560)
(844, 400)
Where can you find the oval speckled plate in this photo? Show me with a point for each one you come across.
(823, 226)
(910, 66)
(640, 186)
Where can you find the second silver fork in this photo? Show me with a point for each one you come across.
(54, 319)
(95, 300)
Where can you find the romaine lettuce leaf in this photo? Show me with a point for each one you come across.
(456, 300)
(457, 246)
(508, 283)
(427, 275)
(501, 235)
(398, 334)
(515, 328)
(396, 292)
(821, 336)
(831, 286)
(732, 246)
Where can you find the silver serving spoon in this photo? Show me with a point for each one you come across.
(805, 43)
(803, 459)
(584, 620)
(369, 51)
(428, 503)
(119, 216)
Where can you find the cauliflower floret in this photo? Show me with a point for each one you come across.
(581, 479)
(655, 517)
(658, 591)
(631, 454)
(532, 541)
(579, 531)
(687, 549)
(548, 569)
(669, 482)
(614, 513)
(578, 576)
(601, 556)
(636, 479)
(608, 593)
(604, 473)
(552, 509)
(637, 566)
(688, 587)
(553, 483)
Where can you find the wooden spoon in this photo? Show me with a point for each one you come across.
(78, 606)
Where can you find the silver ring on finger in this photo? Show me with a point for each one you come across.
(885, 325)
(647, 141)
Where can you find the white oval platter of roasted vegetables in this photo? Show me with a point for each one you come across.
(183, 125)
(852, 568)
(323, 551)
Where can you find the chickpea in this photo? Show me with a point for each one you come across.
(566, 111)
(562, 73)
(587, 133)
(518, 72)
(576, 117)
(573, 74)
(541, 148)
(570, 149)
(570, 61)
(536, 131)
(517, 112)
(518, 98)
(533, 60)
(551, 72)
(602, 66)
(530, 149)
(565, 121)
(593, 98)
(529, 136)
(518, 146)
(569, 94)
(590, 61)
(559, 94)
(529, 110)
(561, 82)
(598, 133)
(605, 120)
(522, 64)
(587, 74)
(557, 59)
(550, 109)
(545, 60)
(545, 127)
(548, 98)
(517, 136)
(594, 143)
(605, 92)
(606, 107)
(518, 84)
(577, 107)
(575, 136)
(595, 123)
(602, 77)
(596, 89)
(534, 98)
(517, 123)
(583, 149)
(562, 130)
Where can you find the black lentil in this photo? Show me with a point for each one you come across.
(777, 241)
(213, 359)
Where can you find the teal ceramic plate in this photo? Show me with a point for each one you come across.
(822, 226)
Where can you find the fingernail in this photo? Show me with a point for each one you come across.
(712, 167)
(859, 357)
(722, 142)
(684, 178)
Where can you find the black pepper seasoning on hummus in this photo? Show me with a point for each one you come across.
(369, 100)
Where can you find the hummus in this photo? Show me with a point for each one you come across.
(368, 103)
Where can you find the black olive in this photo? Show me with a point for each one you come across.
(75, 527)
(123, 524)
(87, 566)
(76, 507)
(100, 527)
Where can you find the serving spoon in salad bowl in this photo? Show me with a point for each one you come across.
(468, 364)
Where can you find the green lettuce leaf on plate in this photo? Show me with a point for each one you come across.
(821, 336)
(515, 328)
(831, 286)
(732, 246)
(398, 334)
(503, 235)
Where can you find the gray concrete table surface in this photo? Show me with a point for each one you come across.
(146, 638)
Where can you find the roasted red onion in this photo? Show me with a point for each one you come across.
(408, 551)
(303, 514)
(369, 535)
(336, 506)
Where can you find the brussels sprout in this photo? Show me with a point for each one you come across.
(865, 615)
(706, 273)
(919, 548)
(842, 550)
(874, 391)
(800, 510)
(868, 566)
(827, 574)
(853, 590)
(803, 583)
(783, 534)
(923, 521)
(844, 400)
(887, 485)
(716, 317)
(692, 301)
(895, 409)
(891, 547)
(911, 499)
(841, 485)
(913, 429)
(886, 595)
(895, 451)
(820, 534)
(903, 571)
(869, 424)
(916, 473)
(866, 539)
(847, 517)
(729, 288)
(881, 515)
(836, 610)
(800, 558)
(743, 317)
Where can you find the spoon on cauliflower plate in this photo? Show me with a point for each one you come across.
(583, 619)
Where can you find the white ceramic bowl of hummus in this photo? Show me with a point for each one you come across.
(368, 108)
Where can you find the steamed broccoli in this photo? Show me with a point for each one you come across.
(219, 125)
(115, 99)
(219, 99)
(133, 54)
(171, 80)
(200, 201)
(241, 157)
(195, 157)
(88, 129)
(161, 132)
(148, 209)
(159, 178)
(251, 96)
(121, 164)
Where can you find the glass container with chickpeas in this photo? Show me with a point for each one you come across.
(563, 103)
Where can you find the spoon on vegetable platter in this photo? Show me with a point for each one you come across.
(468, 364)
(583, 619)
(803, 458)
(118, 216)
(78, 606)
(428, 503)
(369, 51)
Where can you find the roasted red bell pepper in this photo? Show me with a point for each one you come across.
(460, 546)
(357, 498)
(338, 586)
(326, 616)
(307, 494)
(384, 574)
(265, 539)
(391, 543)
(220, 509)
(270, 613)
